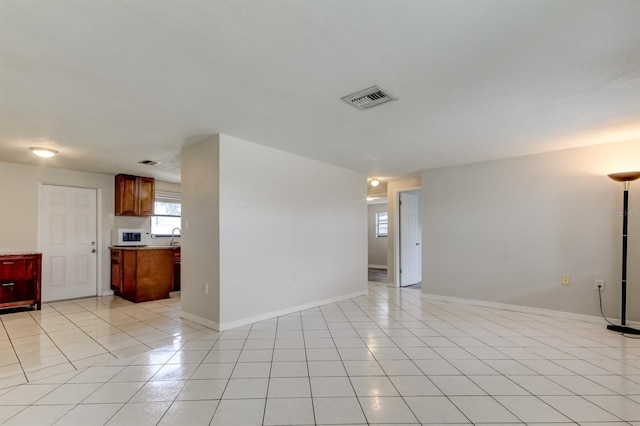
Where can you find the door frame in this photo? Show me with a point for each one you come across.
(394, 188)
(400, 234)
(99, 250)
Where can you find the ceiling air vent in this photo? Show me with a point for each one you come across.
(368, 98)
(149, 162)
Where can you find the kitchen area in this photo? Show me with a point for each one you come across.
(145, 240)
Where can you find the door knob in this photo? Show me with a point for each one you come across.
(93, 250)
(93, 243)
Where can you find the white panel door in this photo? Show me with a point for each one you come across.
(410, 241)
(68, 234)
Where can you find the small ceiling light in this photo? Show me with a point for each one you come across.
(375, 182)
(43, 152)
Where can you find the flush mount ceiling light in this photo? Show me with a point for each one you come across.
(375, 182)
(43, 152)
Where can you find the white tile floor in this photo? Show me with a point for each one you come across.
(388, 358)
(69, 335)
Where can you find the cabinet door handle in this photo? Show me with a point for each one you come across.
(8, 263)
(8, 284)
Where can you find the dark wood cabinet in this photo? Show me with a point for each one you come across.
(134, 195)
(126, 195)
(142, 274)
(20, 280)
(146, 196)
(116, 271)
(176, 270)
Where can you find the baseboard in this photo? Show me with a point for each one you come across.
(520, 308)
(274, 314)
(378, 266)
(106, 293)
(199, 320)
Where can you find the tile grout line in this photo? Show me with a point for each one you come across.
(99, 302)
(424, 374)
(465, 376)
(13, 348)
(396, 318)
(345, 368)
(76, 326)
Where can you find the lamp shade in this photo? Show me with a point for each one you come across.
(624, 176)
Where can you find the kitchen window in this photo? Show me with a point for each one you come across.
(168, 212)
(382, 224)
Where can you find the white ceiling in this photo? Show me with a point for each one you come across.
(109, 83)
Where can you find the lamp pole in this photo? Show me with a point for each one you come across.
(626, 178)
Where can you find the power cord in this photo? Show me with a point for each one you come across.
(600, 299)
(605, 318)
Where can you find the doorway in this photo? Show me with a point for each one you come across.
(67, 222)
(378, 231)
(410, 239)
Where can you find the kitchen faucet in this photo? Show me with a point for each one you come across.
(173, 235)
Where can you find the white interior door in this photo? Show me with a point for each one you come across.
(68, 232)
(410, 240)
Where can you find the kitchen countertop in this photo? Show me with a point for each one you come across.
(18, 253)
(144, 247)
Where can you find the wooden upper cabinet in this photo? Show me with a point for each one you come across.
(134, 195)
(126, 195)
(146, 196)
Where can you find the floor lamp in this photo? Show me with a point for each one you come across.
(626, 178)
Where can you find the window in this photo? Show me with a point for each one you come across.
(168, 210)
(382, 224)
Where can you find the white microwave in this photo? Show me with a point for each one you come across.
(128, 237)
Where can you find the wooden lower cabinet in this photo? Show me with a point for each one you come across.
(20, 276)
(176, 270)
(142, 274)
(116, 271)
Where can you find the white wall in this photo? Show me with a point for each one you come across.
(200, 240)
(280, 248)
(253, 230)
(507, 231)
(377, 247)
(19, 207)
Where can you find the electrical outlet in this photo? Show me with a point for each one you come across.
(206, 288)
(600, 285)
(566, 280)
